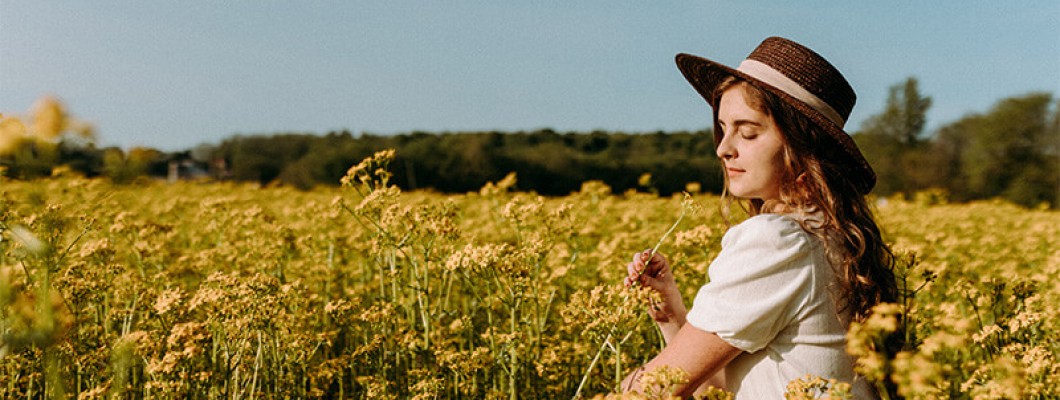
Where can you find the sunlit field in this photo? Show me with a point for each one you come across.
(216, 290)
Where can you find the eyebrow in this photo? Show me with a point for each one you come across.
(741, 122)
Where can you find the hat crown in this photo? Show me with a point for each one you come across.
(809, 70)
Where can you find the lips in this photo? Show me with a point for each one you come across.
(734, 171)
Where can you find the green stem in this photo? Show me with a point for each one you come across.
(684, 210)
(585, 378)
(513, 352)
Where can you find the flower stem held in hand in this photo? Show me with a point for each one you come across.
(685, 206)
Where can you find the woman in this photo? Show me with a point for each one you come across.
(809, 260)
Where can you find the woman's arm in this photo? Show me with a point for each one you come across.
(700, 354)
(669, 329)
(687, 347)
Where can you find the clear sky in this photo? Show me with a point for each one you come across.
(172, 74)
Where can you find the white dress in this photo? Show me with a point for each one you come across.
(769, 296)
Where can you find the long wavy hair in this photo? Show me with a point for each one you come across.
(814, 184)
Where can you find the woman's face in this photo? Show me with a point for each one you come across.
(751, 147)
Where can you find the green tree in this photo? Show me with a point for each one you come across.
(904, 116)
(949, 146)
(892, 141)
(1011, 151)
(123, 167)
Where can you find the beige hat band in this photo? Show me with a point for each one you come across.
(774, 78)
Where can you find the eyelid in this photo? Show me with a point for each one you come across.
(746, 131)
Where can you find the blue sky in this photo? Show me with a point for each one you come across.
(172, 74)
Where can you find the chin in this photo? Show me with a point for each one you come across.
(753, 193)
(743, 194)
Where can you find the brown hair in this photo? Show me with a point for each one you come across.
(814, 182)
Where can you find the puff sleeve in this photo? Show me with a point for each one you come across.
(759, 283)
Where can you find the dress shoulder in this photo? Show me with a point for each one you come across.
(759, 282)
(766, 232)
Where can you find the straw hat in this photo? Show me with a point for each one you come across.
(800, 77)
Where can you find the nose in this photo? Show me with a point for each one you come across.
(725, 148)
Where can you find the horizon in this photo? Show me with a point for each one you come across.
(173, 76)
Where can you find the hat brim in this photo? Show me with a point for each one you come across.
(705, 76)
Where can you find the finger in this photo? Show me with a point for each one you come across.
(641, 262)
(657, 270)
(646, 256)
(651, 269)
(648, 281)
(657, 258)
(661, 266)
(634, 269)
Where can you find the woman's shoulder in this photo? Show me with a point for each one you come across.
(778, 231)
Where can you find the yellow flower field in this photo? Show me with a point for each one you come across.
(218, 290)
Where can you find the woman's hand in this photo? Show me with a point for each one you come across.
(657, 274)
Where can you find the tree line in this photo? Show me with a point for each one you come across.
(1011, 151)
(544, 161)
